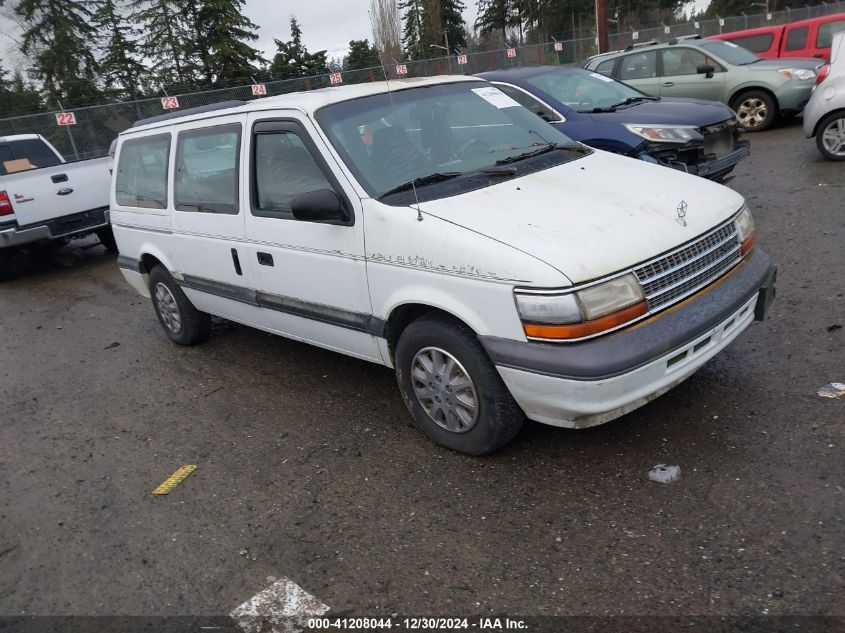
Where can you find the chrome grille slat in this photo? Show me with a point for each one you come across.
(680, 273)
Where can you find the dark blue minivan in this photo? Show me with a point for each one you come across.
(699, 137)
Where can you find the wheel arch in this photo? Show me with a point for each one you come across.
(738, 92)
(403, 314)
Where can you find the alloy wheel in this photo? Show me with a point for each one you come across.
(444, 389)
(168, 308)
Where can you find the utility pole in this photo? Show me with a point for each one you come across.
(601, 25)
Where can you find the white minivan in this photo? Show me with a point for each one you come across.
(437, 227)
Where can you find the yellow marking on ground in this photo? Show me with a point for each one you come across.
(175, 479)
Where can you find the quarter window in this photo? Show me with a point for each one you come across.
(825, 37)
(142, 172)
(207, 169)
(639, 66)
(283, 168)
(606, 67)
(796, 39)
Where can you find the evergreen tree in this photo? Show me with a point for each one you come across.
(120, 65)
(220, 43)
(414, 37)
(17, 98)
(361, 55)
(166, 43)
(292, 59)
(57, 36)
(450, 20)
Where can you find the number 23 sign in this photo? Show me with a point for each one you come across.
(169, 103)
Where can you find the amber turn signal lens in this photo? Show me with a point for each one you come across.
(587, 328)
(748, 244)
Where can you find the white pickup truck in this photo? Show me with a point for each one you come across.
(44, 198)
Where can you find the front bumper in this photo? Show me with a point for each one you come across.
(592, 382)
(57, 228)
(794, 95)
(697, 163)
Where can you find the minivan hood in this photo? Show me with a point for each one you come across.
(669, 110)
(593, 216)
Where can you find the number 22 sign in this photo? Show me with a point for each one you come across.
(169, 103)
(65, 118)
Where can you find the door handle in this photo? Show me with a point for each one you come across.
(59, 178)
(668, 84)
(265, 259)
(237, 262)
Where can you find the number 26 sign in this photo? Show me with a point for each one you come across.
(169, 103)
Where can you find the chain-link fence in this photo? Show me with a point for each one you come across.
(97, 126)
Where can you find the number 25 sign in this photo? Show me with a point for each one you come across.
(65, 118)
(169, 103)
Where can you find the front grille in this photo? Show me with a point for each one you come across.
(719, 139)
(679, 274)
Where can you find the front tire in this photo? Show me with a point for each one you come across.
(830, 138)
(182, 322)
(451, 388)
(756, 110)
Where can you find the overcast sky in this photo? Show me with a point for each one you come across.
(326, 24)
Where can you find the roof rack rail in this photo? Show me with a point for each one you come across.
(211, 107)
(684, 38)
(631, 47)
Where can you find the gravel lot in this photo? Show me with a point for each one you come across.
(309, 468)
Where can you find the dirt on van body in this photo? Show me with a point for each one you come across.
(308, 467)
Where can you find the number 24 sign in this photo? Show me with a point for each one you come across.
(169, 103)
(65, 118)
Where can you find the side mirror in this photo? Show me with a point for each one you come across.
(322, 205)
(705, 69)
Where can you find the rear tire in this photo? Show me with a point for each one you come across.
(106, 236)
(832, 146)
(451, 388)
(756, 110)
(182, 322)
(8, 271)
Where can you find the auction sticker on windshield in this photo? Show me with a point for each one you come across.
(495, 97)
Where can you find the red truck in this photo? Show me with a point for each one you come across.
(807, 38)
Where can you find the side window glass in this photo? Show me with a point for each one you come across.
(142, 172)
(825, 37)
(529, 102)
(682, 61)
(755, 43)
(796, 39)
(282, 168)
(639, 66)
(606, 67)
(207, 169)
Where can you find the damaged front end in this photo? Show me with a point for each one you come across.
(711, 152)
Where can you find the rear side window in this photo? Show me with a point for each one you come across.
(755, 43)
(142, 172)
(796, 39)
(606, 67)
(639, 66)
(825, 37)
(207, 169)
(682, 61)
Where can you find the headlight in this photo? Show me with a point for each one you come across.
(798, 73)
(582, 313)
(745, 230)
(666, 133)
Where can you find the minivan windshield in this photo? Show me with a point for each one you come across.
(729, 52)
(585, 91)
(469, 133)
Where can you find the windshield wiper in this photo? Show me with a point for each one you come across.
(545, 149)
(448, 175)
(631, 100)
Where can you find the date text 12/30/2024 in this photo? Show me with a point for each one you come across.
(418, 624)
